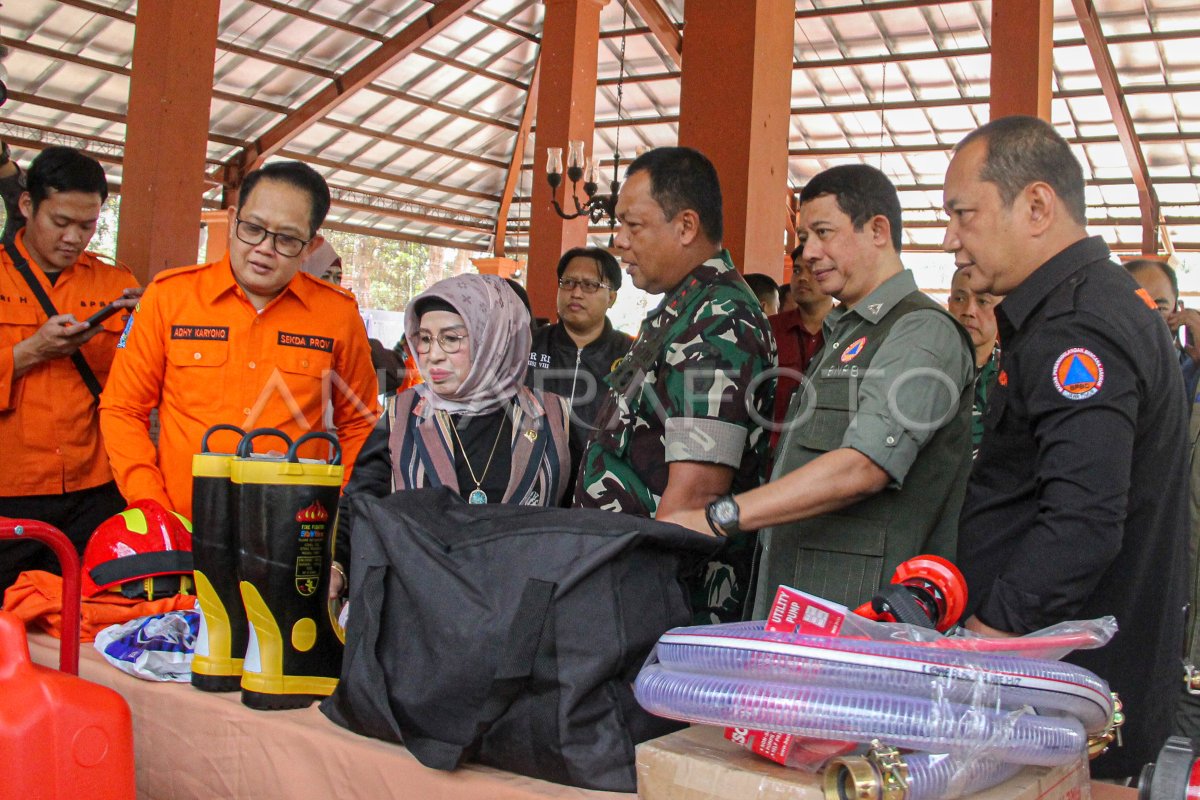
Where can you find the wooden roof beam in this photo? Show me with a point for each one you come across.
(871, 8)
(663, 28)
(372, 203)
(432, 211)
(229, 47)
(504, 26)
(371, 66)
(398, 236)
(97, 113)
(320, 19)
(443, 108)
(113, 69)
(517, 161)
(471, 69)
(414, 144)
(402, 180)
(1089, 21)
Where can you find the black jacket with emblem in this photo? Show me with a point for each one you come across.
(576, 373)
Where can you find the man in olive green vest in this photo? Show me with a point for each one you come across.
(876, 449)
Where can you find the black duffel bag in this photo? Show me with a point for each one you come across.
(508, 635)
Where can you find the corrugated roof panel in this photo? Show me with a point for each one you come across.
(423, 135)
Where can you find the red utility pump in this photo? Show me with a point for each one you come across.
(60, 736)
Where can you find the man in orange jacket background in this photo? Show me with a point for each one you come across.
(52, 365)
(249, 340)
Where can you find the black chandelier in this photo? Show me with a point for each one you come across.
(597, 207)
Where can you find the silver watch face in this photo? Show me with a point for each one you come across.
(725, 512)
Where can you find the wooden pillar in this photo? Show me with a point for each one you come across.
(566, 110)
(170, 91)
(735, 108)
(217, 244)
(1022, 57)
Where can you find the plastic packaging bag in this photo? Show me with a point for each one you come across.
(157, 648)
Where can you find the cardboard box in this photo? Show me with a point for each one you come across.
(700, 764)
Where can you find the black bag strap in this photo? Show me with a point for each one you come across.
(85, 371)
(513, 672)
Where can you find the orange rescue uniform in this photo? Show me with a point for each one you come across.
(198, 351)
(48, 419)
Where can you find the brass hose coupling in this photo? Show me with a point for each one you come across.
(879, 775)
(1099, 743)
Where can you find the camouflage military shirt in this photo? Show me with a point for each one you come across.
(702, 396)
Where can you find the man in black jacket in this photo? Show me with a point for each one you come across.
(573, 356)
(1077, 504)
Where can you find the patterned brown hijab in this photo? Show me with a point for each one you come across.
(498, 337)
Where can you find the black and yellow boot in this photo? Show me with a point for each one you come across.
(287, 514)
(221, 642)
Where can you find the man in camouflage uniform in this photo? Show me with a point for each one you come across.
(685, 422)
(876, 450)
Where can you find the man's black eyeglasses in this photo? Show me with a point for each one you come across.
(588, 286)
(284, 244)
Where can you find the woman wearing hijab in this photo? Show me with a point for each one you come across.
(472, 426)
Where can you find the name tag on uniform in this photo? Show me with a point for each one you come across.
(206, 332)
(307, 341)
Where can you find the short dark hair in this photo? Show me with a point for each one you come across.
(608, 265)
(1022, 150)
(761, 284)
(862, 193)
(64, 169)
(1142, 264)
(299, 176)
(683, 178)
(522, 295)
(797, 251)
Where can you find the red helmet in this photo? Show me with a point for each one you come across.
(145, 551)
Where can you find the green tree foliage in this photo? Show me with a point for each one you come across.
(383, 273)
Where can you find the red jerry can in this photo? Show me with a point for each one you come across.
(60, 736)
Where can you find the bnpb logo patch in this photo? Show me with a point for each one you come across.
(854, 349)
(1078, 374)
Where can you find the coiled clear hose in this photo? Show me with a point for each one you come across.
(940, 776)
(976, 707)
(746, 650)
(824, 713)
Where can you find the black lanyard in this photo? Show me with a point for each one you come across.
(85, 371)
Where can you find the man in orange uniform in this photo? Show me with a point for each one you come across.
(249, 340)
(54, 467)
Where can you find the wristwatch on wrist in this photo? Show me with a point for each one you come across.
(723, 516)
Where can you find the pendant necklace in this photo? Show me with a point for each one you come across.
(477, 497)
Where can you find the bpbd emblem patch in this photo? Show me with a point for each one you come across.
(851, 352)
(1078, 374)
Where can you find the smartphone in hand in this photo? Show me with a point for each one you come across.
(103, 314)
(1182, 333)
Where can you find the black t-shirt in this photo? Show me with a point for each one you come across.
(1077, 504)
(479, 436)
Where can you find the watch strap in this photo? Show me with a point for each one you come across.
(721, 529)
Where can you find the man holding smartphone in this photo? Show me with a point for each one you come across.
(1158, 280)
(52, 364)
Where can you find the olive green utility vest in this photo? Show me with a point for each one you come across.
(847, 555)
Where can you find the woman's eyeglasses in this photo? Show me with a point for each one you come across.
(450, 343)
